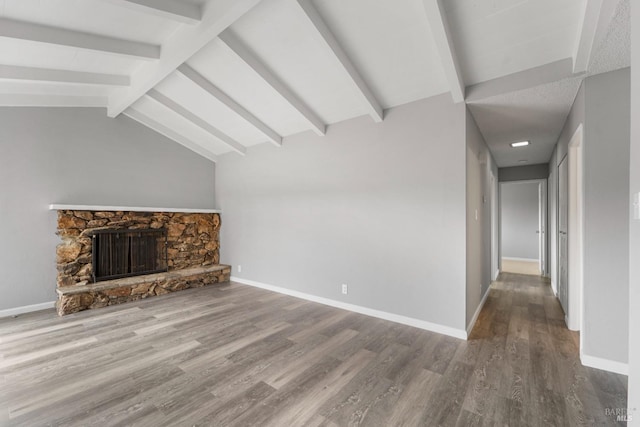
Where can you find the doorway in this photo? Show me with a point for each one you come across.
(570, 231)
(523, 227)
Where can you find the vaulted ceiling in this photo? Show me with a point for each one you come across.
(219, 76)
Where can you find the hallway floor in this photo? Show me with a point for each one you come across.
(528, 370)
(233, 355)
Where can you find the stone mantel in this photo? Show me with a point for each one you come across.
(98, 208)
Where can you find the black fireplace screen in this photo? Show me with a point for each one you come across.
(124, 253)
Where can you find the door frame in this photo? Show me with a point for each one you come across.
(543, 243)
(575, 228)
(543, 247)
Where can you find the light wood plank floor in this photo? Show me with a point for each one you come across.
(235, 355)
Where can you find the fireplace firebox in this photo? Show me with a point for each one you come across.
(118, 253)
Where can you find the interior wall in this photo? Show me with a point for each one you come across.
(634, 235)
(606, 218)
(79, 156)
(480, 167)
(524, 173)
(603, 105)
(575, 118)
(379, 207)
(519, 217)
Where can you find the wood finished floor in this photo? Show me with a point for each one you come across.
(235, 355)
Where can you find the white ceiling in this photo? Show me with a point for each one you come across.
(218, 76)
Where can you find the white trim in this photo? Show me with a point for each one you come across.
(575, 231)
(13, 72)
(186, 13)
(521, 259)
(160, 128)
(62, 207)
(203, 83)
(441, 34)
(27, 309)
(495, 277)
(39, 33)
(249, 58)
(605, 364)
(185, 42)
(197, 120)
(428, 326)
(477, 313)
(42, 100)
(586, 36)
(372, 104)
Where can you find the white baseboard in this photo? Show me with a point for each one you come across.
(495, 277)
(428, 326)
(27, 309)
(477, 313)
(521, 259)
(605, 364)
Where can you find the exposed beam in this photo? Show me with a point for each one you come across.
(607, 14)
(444, 43)
(187, 13)
(375, 110)
(12, 72)
(183, 44)
(76, 39)
(169, 133)
(40, 100)
(587, 35)
(214, 91)
(595, 25)
(548, 73)
(272, 80)
(196, 120)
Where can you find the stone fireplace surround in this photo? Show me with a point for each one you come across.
(193, 248)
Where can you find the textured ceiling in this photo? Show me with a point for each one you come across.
(538, 114)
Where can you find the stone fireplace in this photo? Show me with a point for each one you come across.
(192, 255)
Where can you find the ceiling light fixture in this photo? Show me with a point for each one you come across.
(520, 144)
(523, 161)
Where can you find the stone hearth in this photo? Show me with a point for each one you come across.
(109, 292)
(192, 256)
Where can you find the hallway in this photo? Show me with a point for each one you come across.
(527, 366)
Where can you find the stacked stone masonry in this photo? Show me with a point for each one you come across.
(192, 241)
(72, 299)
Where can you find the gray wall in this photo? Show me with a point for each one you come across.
(575, 118)
(634, 235)
(524, 173)
(603, 105)
(606, 220)
(79, 156)
(481, 168)
(380, 207)
(519, 218)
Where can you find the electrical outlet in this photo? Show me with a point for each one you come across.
(239, 268)
(345, 289)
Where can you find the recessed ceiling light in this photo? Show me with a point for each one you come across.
(520, 144)
(523, 161)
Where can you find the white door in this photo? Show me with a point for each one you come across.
(563, 242)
